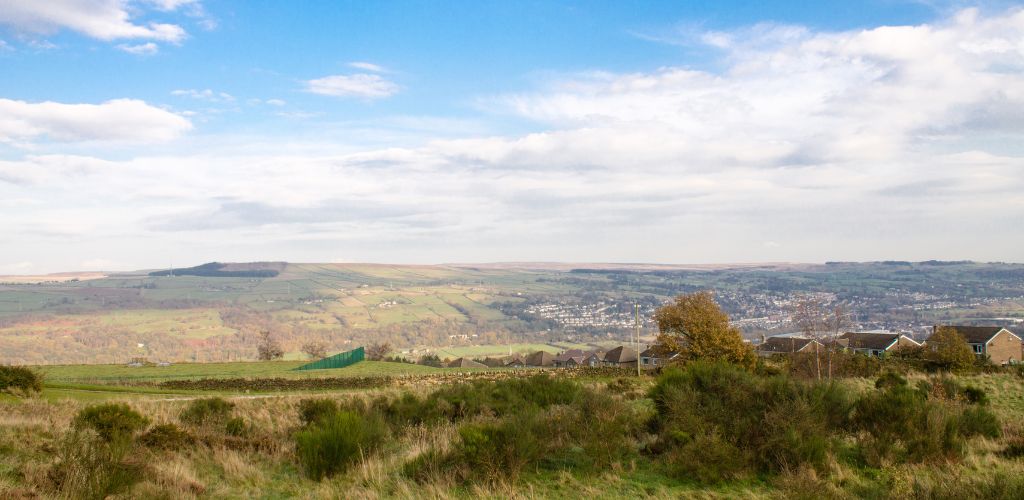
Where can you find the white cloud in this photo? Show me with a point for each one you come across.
(204, 95)
(142, 49)
(807, 146)
(366, 66)
(275, 102)
(115, 120)
(362, 85)
(100, 19)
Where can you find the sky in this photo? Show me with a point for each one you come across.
(141, 134)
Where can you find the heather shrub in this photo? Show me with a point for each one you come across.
(92, 465)
(332, 445)
(166, 437)
(890, 379)
(111, 421)
(978, 421)
(716, 421)
(312, 411)
(19, 380)
(236, 427)
(209, 411)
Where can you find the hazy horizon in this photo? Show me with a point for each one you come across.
(140, 134)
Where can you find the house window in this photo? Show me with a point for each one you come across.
(876, 353)
(978, 348)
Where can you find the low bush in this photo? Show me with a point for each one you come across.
(236, 427)
(18, 379)
(978, 421)
(166, 437)
(329, 447)
(717, 421)
(90, 467)
(591, 434)
(111, 421)
(312, 411)
(206, 412)
(906, 424)
(890, 379)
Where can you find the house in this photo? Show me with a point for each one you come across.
(515, 361)
(787, 345)
(465, 363)
(540, 358)
(574, 356)
(495, 362)
(655, 357)
(1000, 345)
(621, 356)
(875, 343)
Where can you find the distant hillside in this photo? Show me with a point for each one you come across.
(219, 270)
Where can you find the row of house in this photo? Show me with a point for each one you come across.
(621, 356)
(1000, 345)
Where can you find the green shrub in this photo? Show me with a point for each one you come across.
(706, 458)
(18, 379)
(89, 467)
(236, 427)
(330, 446)
(890, 379)
(209, 411)
(312, 411)
(111, 421)
(719, 413)
(975, 395)
(499, 451)
(977, 421)
(166, 437)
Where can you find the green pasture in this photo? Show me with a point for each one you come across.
(122, 374)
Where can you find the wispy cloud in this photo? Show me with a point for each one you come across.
(366, 66)
(142, 49)
(204, 95)
(360, 85)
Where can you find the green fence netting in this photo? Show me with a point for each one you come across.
(340, 360)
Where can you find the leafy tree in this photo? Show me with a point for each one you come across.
(269, 348)
(948, 350)
(695, 326)
(315, 349)
(377, 351)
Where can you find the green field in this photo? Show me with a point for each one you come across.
(121, 374)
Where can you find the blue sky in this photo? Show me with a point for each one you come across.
(139, 132)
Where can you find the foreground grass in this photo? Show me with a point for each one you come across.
(264, 465)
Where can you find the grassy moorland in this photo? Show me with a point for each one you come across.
(711, 431)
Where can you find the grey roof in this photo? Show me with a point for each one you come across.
(540, 358)
(465, 363)
(783, 344)
(869, 340)
(973, 334)
(621, 354)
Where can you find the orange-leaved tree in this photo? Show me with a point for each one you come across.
(695, 326)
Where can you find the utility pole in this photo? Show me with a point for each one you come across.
(636, 308)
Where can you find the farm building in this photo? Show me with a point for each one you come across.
(540, 358)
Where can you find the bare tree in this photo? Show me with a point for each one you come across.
(269, 348)
(377, 351)
(837, 320)
(315, 349)
(808, 316)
